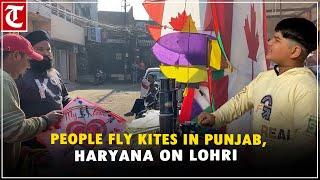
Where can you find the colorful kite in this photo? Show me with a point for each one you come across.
(188, 48)
(82, 116)
(196, 42)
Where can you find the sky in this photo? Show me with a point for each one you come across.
(139, 12)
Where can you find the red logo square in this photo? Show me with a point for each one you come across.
(14, 17)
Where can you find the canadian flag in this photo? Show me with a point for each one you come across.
(247, 53)
(170, 14)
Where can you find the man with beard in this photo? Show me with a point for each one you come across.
(41, 90)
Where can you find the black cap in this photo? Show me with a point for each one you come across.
(38, 36)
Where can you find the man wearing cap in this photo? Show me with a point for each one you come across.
(16, 50)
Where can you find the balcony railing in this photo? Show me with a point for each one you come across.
(40, 9)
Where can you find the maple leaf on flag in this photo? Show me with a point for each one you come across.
(178, 22)
(189, 25)
(251, 35)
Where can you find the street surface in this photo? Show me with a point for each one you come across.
(118, 98)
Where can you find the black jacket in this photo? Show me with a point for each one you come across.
(41, 93)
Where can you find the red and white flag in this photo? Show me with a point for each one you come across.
(247, 53)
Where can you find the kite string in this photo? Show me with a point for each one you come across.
(188, 69)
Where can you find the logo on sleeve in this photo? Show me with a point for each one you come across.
(267, 106)
(312, 125)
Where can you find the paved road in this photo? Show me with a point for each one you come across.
(117, 98)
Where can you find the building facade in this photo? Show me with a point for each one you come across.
(65, 24)
(124, 41)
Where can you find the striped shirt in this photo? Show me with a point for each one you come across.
(15, 127)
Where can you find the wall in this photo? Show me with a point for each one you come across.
(66, 31)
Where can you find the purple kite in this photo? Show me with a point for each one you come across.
(182, 49)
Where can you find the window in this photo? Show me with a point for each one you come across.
(62, 62)
(157, 75)
(61, 11)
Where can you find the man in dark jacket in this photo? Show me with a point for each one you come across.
(41, 88)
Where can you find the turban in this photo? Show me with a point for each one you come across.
(38, 36)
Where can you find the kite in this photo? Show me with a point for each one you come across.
(199, 41)
(82, 116)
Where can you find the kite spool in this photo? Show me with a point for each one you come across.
(168, 104)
